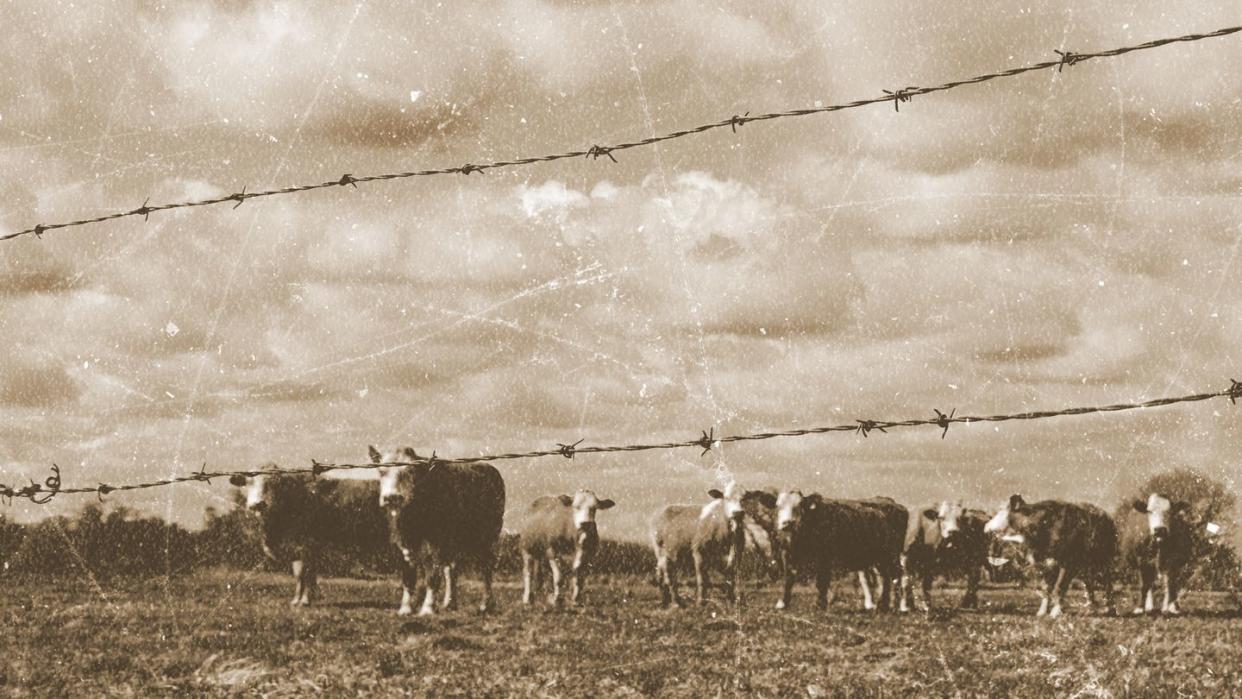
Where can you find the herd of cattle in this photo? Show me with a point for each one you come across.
(441, 516)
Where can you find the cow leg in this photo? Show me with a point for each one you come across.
(662, 579)
(1171, 590)
(787, 587)
(579, 575)
(434, 575)
(868, 601)
(298, 583)
(527, 576)
(971, 599)
(926, 588)
(700, 578)
(310, 583)
(450, 586)
(554, 598)
(1062, 587)
(1052, 574)
(487, 566)
(409, 585)
(905, 586)
(1147, 583)
(823, 581)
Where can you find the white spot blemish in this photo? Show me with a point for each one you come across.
(171, 329)
(415, 94)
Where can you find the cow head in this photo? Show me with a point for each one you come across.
(1163, 514)
(791, 506)
(729, 502)
(396, 482)
(948, 516)
(1010, 517)
(584, 504)
(263, 490)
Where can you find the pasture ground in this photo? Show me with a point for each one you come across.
(223, 633)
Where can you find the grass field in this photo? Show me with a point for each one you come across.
(232, 633)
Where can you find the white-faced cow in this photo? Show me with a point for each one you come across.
(1157, 538)
(1063, 540)
(301, 515)
(557, 526)
(946, 539)
(824, 536)
(441, 515)
(713, 536)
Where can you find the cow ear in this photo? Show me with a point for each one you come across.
(716, 494)
(565, 500)
(813, 501)
(237, 480)
(931, 514)
(767, 499)
(605, 504)
(1016, 503)
(410, 454)
(1140, 506)
(376, 457)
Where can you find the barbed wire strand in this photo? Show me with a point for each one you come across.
(1065, 58)
(42, 493)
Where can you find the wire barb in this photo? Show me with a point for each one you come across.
(144, 211)
(347, 179)
(103, 490)
(568, 450)
(468, 168)
(38, 231)
(865, 426)
(736, 121)
(943, 421)
(1068, 58)
(239, 197)
(902, 95)
(707, 441)
(597, 151)
(318, 468)
(202, 474)
(1234, 392)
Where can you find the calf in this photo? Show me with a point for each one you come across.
(1158, 538)
(300, 515)
(441, 514)
(557, 526)
(1063, 540)
(712, 536)
(825, 535)
(944, 540)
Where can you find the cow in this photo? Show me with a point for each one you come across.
(1157, 538)
(557, 526)
(1063, 540)
(822, 536)
(300, 515)
(711, 535)
(943, 540)
(441, 515)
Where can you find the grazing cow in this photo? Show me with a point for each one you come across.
(300, 515)
(442, 515)
(943, 540)
(826, 535)
(557, 526)
(1158, 539)
(712, 535)
(1063, 540)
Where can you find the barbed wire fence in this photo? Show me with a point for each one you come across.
(897, 97)
(42, 493)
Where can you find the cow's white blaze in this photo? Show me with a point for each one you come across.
(255, 491)
(1158, 508)
(949, 514)
(584, 506)
(998, 523)
(729, 503)
(388, 483)
(787, 509)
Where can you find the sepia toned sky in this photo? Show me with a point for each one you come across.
(1044, 241)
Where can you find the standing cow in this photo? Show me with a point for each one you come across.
(442, 515)
(943, 540)
(1158, 539)
(300, 515)
(557, 526)
(1063, 540)
(712, 536)
(824, 536)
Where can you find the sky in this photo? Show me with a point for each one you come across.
(1050, 240)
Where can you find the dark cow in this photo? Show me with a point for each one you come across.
(557, 526)
(300, 515)
(1157, 538)
(1064, 540)
(824, 536)
(441, 515)
(944, 540)
(712, 536)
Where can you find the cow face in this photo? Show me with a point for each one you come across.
(584, 504)
(259, 491)
(791, 505)
(729, 501)
(948, 516)
(396, 482)
(1162, 513)
(1008, 518)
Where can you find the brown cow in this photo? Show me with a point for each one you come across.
(944, 540)
(443, 514)
(300, 515)
(827, 535)
(557, 526)
(1063, 540)
(712, 535)
(1158, 539)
